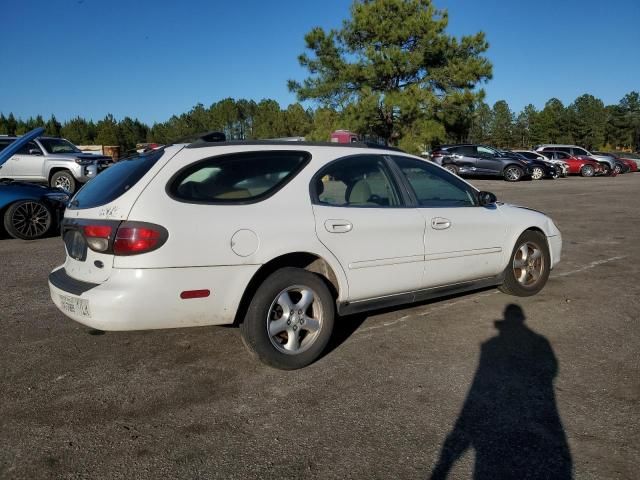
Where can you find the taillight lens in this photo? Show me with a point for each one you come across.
(132, 240)
(97, 236)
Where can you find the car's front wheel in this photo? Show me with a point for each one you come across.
(513, 173)
(27, 220)
(529, 265)
(587, 171)
(537, 173)
(63, 179)
(290, 319)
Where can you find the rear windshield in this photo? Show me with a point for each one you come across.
(237, 178)
(114, 181)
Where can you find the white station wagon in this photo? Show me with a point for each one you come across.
(283, 237)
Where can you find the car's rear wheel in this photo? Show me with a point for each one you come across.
(63, 179)
(617, 169)
(587, 171)
(606, 169)
(537, 173)
(513, 173)
(451, 168)
(290, 319)
(27, 220)
(529, 265)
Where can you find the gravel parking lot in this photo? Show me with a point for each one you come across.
(399, 393)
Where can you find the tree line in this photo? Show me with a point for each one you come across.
(392, 73)
(587, 122)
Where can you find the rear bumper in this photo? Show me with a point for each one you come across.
(141, 299)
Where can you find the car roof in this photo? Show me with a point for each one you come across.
(356, 145)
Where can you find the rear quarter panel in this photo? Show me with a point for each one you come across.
(203, 235)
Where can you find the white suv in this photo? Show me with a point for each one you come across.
(280, 237)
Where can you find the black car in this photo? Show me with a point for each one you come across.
(474, 160)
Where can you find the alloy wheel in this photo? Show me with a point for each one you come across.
(63, 182)
(537, 173)
(295, 319)
(528, 264)
(31, 219)
(513, 174)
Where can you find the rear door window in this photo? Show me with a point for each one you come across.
(247, 177)
(356, 181)
(114, 181)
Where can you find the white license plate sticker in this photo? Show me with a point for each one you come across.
(75, 305)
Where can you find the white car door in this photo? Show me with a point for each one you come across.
(463, 241)
(362, 218)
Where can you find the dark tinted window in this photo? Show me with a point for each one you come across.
(58, 145)
(579, 151)
(358, 181)
(529, 155)
(435, 187)
(237, 178)
(115, 181)
(27, 147)
(465, 150)
(561, 155)
(4, 142)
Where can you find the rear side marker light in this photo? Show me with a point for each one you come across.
(188, 294)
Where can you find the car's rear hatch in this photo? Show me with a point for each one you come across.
(100, 210)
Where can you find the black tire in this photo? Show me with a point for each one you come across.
(265, 310)
(513, 173)
(511, 284)
(618, 169)
(28, 220)
(449, 167)
(65, 180)
(587, 171)
(606, 169)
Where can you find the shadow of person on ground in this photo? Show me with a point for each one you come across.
(510, 417)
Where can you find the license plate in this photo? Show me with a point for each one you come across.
(75, 305)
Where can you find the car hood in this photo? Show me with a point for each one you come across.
(30, 188)
(16, 145)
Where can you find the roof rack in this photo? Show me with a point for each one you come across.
(203, 143)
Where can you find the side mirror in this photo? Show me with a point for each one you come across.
(34, 151)
(486, 198)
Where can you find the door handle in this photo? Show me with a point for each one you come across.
(440, 223)
(338, 226)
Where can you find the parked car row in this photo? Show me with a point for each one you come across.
(546, 161)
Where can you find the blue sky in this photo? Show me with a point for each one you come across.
(153, 58)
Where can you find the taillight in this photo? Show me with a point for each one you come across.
(97, 236)
(134, 238)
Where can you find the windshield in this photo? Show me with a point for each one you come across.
(58, 145)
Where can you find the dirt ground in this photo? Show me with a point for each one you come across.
(541, 387)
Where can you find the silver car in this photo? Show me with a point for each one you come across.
(54, 161)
